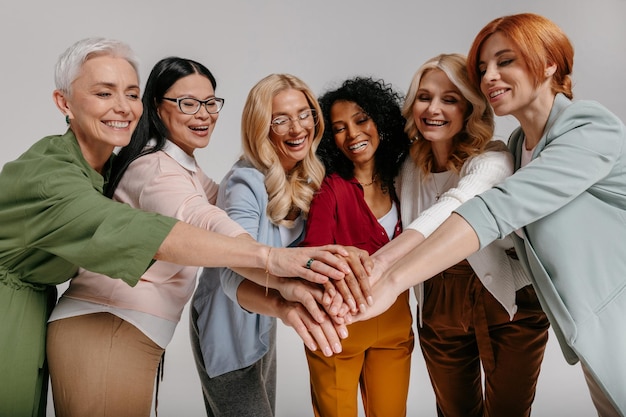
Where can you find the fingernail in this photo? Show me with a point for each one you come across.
(348, 319)
(362, 308)
(312, 347)
(343, 333)
(370, 300)
(337, 347)
(327, 351)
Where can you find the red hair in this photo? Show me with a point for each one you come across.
(539, 41)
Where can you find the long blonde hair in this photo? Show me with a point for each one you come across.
(479, 122)
(296, 188)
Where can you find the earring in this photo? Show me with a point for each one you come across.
(67, 119)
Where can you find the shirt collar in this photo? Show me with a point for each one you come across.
(177, 154)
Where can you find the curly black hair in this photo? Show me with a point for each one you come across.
(382, 103)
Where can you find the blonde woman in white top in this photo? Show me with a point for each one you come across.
(482, 312)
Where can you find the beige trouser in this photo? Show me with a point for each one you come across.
(101, 366)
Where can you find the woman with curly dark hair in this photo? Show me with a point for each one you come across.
(362, 148)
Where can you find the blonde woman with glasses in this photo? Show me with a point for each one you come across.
(268, 192)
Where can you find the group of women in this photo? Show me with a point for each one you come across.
(334, 211)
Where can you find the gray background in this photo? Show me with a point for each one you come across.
(323, 42)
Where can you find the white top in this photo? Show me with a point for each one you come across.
(390, 220)
(501, 275)
(289, 235)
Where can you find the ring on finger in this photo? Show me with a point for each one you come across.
(308, 263)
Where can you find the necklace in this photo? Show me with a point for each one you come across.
(374, 179)
(443, 187)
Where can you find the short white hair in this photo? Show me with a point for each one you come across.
(69, 63)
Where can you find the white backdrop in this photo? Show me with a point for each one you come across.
(323, 42)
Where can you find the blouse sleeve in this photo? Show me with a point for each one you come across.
(321, 223)
(210, 187)
(82, 226)
(161, 185)
(479, 173)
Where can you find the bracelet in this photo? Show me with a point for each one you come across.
(267, 271)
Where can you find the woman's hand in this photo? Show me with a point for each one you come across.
(305, 293)
(316, 332)
(384, 295)
(315, 264)
(326, 335)
(312, 297)
(354, 288)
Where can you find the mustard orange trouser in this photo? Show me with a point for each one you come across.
(376, 355)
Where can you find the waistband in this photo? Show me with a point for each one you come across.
(14, 281)
(462, 268)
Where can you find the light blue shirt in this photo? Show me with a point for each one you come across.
(232, 338)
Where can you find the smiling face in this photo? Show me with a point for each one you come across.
(188, 131)
(293, 146)
(505, 79)
(104, 106)
(355, 133)
(439, 108)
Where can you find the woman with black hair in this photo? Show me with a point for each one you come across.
(362, 148)
(106, 338)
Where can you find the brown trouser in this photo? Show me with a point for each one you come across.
(376, 355)
(101, 366)
(600, 401)
(466, 327)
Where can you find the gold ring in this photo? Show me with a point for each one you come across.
(308, 263)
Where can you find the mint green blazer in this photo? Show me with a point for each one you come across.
(569, 204)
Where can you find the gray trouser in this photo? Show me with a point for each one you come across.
(247, 392)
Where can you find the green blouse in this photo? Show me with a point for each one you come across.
(53, 220)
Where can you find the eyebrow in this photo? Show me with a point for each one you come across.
(499, 53)
(352, 117)
(113, 85)
(303, 109)
(423, 90)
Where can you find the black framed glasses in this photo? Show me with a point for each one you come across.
(190, 105)
(282, 124)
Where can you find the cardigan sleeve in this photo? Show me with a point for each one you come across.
(478, 174)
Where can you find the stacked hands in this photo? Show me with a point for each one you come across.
(329, 288)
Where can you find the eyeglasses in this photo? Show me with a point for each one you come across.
(282, 124)
(190, 105)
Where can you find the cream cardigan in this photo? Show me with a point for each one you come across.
(501, 275)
